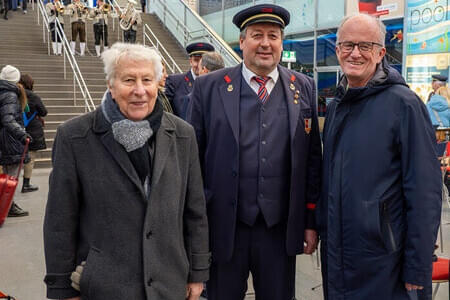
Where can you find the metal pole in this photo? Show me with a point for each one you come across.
(316, 79)
(74, 90)
(223, 18)
(405, 38)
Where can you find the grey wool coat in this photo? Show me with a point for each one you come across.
(97, 212)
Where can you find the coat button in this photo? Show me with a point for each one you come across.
(149, 234)
(234, 173)
(149, 282)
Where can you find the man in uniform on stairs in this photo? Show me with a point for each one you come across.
(129, 35)
(78, 13)
(179, 85)
(55, 10)
(100, 14)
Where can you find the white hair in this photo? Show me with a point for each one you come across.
(380, 26)
(134, 52)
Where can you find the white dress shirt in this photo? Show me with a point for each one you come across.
(270, 84)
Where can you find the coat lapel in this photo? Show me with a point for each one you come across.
(230, 91)
(116, 150)
(288, 81)
(188, 81)
(164, 141)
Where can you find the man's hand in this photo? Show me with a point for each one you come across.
(310, 241)
(410, 287)
(194, 290)
(75, 277)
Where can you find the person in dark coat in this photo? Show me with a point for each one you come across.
(179, 85)
(260, 151)
(126, 212)
(380, 204)
(162, 91)
(12, 132)
(36, 111)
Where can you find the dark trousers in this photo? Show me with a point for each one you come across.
(101, 33)
(54, 35)
(78, 29)
(261, 251)
(129, 36)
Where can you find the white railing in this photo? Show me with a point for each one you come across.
(68, 56)
(170, 63)
(187, 27)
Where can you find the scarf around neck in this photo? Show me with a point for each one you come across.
(133, 136)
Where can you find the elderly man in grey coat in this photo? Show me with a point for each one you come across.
(126, 206)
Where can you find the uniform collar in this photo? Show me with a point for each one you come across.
(248, 74)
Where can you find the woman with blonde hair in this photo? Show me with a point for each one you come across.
(438, 107)
(13, 136)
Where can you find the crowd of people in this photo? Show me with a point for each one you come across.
(7, 5)
(217, 173)
(21, 113)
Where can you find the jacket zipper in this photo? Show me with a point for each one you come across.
(389, 228)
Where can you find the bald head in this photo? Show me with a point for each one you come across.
(368, 20)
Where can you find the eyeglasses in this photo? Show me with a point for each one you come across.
(362, 46)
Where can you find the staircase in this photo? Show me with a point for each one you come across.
(22, 46)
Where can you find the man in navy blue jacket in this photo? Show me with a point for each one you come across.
(260, 152)
(381, 195)
(179, 85)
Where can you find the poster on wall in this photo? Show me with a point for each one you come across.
(427, 43)
(428, 26)
(385, 9)
(420, 68)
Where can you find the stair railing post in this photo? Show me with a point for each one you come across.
(48, 42)
(143, 34)
(74, 91)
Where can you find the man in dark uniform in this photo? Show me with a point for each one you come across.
(260, 152)
(179, 85)
(437, 82)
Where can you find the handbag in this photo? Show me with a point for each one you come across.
(8, 185)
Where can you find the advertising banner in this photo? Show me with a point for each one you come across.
(420, 68)
(428, 26)
(386, 9)
(427, 43)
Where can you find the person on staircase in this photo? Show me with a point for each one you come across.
(78, 13)
(34, 126)
(129, 35)
(100, 15)
(55, 11)
(13, 136)
(4, 9)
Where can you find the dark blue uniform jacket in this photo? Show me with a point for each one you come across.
(177, 87)
(214, 113)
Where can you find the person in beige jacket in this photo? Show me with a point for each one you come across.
(129, 36)
(100, 15)
(78, 13)
(55, 10)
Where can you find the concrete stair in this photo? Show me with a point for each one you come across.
(22, 46)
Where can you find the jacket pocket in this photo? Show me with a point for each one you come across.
(88, 270)
(389, 240)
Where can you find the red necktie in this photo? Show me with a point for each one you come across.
(263, 94)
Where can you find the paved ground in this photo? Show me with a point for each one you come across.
(22, 262)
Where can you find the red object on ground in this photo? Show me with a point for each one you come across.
(440, 269)
(8, 186)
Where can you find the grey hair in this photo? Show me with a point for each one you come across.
(381, 27)
(243, 33)
(134, 52)
(212, 61)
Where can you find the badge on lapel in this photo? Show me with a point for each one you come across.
(188, 81)
(308, 122)
(228, 80)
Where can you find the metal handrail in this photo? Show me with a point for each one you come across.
(230, 56)
(77, 76)
(172, 66)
